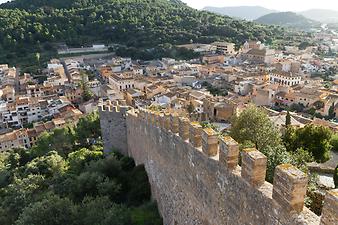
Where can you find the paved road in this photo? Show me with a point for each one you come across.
(17, 80)
(333, 162)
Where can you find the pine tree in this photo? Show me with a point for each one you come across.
(331, 113)
(288, 119)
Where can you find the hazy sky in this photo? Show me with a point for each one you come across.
(280, 5)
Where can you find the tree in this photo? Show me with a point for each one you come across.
(312, 138)
(297, 107)
(88, 128)
(19, 194)
(32, 25)
(146, 214)
(111, 188)
(50, 165)
(52, 210)
(37, 56)
(335, 177)
(289, 138)
(60, 140)
(58, 183)
(300, 158)
(102, 211)
(334, 142)
(87, 94)
(190, 108)
(304, 45)
(331, 113)
(118, 215)
(79, 159)
(288, 119)
(276, 155)
(138, 186)
(319, 105)
(254, 125)
(86, 184)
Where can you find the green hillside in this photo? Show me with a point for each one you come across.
(31, 26)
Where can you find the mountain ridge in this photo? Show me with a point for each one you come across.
(242, 12)
(321, 15)
(288, 19)
(254, 12)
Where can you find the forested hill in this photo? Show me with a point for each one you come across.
(36, 4)
(31, 26)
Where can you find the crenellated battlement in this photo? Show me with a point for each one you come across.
(113, 107)
(113, 126)
(196, 178)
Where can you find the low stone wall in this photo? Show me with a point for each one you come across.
(196, 180)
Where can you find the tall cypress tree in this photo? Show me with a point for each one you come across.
(288, 119)
(331, 112)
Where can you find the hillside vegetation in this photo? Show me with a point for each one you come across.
(65, 180)
(31, 26)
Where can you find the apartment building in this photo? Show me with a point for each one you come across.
(285, 78)
(122, 81)
(224, 47)
(14, 139)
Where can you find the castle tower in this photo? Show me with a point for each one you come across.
(114, 127)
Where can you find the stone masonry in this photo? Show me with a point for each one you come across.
(199, 182)
(114, 128)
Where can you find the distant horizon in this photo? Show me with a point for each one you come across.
(286, 5)
(266, 8)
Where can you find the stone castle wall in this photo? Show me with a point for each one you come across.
(196, 180)
(114, 128)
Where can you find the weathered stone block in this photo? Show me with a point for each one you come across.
(209, 142)
(148, 117)
(184, 128)
(195, 136)
(289, 187)
(158, 119)
(107, 108)
(174, 123)
(123, 109)
(141, 114)
(228, 152)
(152, 118)
(253, 166)
(167, 123)
(161, 121)
(330, 208)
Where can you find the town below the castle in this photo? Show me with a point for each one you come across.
(168, 112)
(296, 87)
